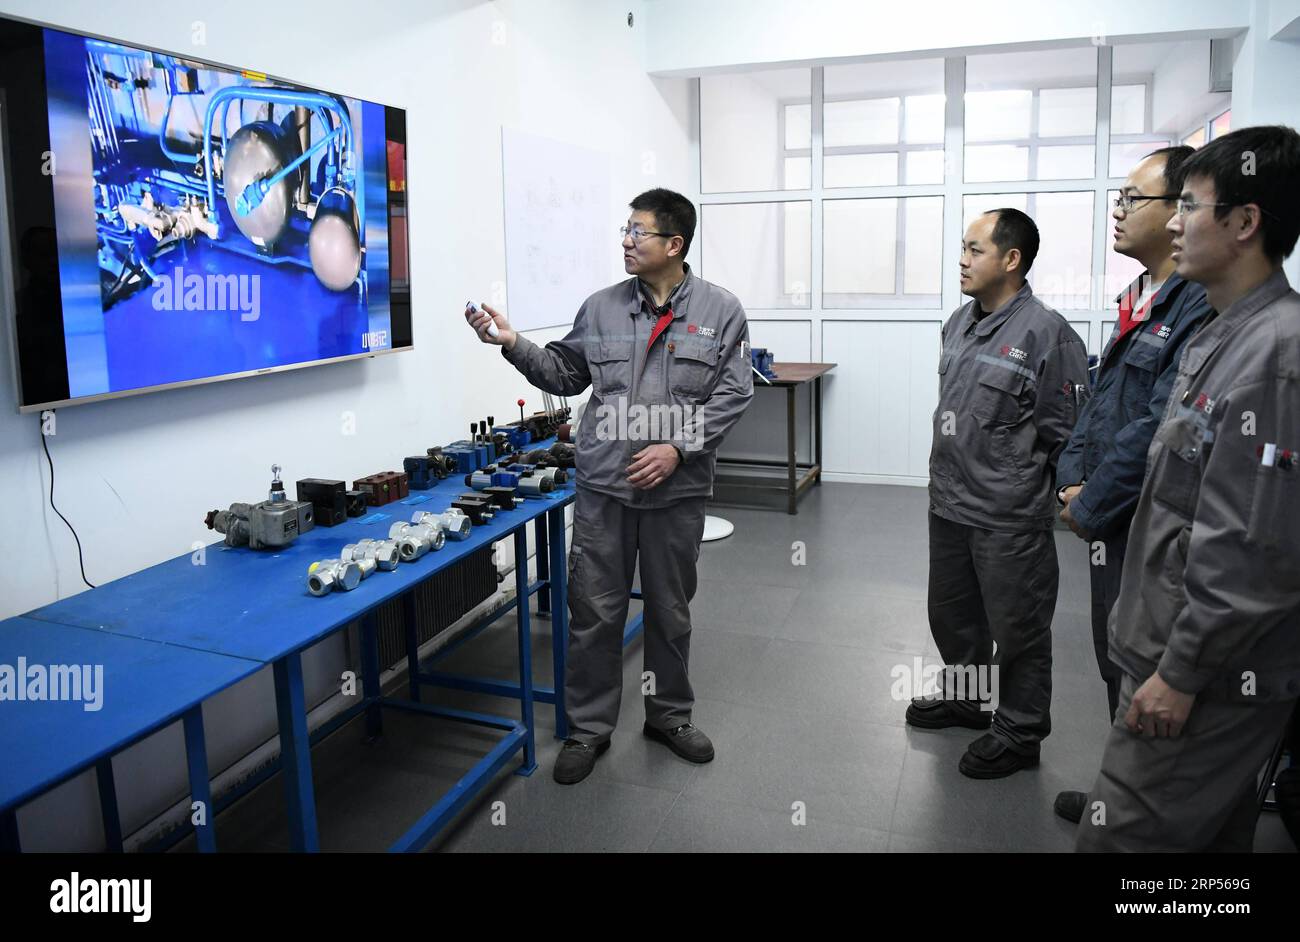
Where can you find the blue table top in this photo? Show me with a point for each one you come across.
(145, 686)
(254, 603)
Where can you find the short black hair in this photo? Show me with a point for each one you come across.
(673, 213)
(1015, 230)
(1259, 165)
(1175, 157)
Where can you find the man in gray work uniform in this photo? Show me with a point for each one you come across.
(666, 355)
(1099, 475)
(1206, 631)
(1012, 377)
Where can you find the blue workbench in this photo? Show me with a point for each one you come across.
(252, 608)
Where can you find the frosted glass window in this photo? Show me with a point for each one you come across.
(923, 119)
(1065, 162)
(924, 166)
(1196, 138)
(1128, 109)
(798, 173)
(879, 169)
(988, 162)
(994, 116)
(855, 123)
(1062, 273)
(869, 258)
(746, 126)
(761, 252)
(1221, 125)
(1067, 112)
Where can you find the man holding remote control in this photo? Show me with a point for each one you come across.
(666, 355)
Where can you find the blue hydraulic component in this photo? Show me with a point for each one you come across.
(466, 455)
(516, 435)
(505, 479)
(761, 358)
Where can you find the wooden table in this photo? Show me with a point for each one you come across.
(798, 477)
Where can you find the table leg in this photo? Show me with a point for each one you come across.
(295, 754)
(543, 566)
(108, 805)
(412, 646)
(196, 758)
(817, 428)
(9, 843)
(370, 676)
(791, 470)
(559, 616)
(529, 765)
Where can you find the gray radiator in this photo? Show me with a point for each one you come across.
(440, 601)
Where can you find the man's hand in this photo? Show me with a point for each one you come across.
(1069, 494)
(651, 466)
(480, 320)
(1158, 710)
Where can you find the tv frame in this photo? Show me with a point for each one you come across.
(8, 257)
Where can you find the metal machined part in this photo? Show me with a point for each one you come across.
(329, 575)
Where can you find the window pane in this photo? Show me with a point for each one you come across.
(1221, 125)
(1120, 269)
(798, 126)
(1065, 162)
(1062, 273)
(1019, 98)
(923, 121)
(996, 116)
(922, 245)
(1177, 75)
(989, 162)
(1196, 138)
(798, 173)
(761, 252)
(861, 242)
(861, 170)
(924, 166)
(865, 121)
(740, 128)
(1128, 109)
(1067, 112)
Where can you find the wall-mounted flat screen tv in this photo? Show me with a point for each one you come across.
(169, 221)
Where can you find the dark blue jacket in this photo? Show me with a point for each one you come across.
(1108, 448)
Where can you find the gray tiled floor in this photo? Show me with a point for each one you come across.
(792, 671)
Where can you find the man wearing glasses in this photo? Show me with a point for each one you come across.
(1206, 630)
(666, 356)
(1099, 475)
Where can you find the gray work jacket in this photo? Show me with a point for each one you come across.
(687, 390)
(1010, 389)
(1211, 589)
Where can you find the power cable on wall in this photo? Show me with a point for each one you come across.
(45, 445)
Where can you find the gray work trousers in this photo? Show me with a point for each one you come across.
(608, 539)
(1104, 579)
(991, 586)
(1191, 792)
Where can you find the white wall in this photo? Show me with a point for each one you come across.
(137, 475)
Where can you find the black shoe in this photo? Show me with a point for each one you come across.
(990, 757)
(576, 761)
(1070, 805)
(685, 740)
(937, 713)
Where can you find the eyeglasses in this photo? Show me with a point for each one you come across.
(1183, 207)
(639, 235)
(1125, 201)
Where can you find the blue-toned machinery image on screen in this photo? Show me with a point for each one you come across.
(282, 188)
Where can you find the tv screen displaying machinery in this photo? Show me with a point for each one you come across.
(171, 221)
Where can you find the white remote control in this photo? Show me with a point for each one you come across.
(492, 330)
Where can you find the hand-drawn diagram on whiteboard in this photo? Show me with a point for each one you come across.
(561, 239)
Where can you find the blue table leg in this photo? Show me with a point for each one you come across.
(295, 754)
(529, 765)
(412, 646)
(559, 615)
(196, 757)
(543, 565)
(108, 805)
(9, 843)
(370, 676)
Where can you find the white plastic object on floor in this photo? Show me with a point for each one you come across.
(717, 528)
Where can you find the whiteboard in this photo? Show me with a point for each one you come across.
(562, 240)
